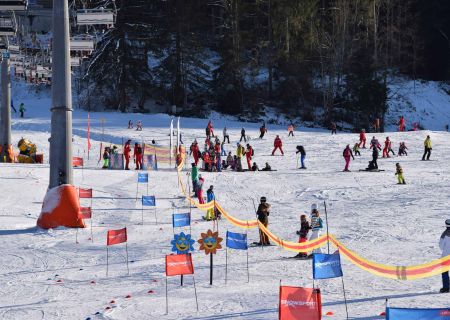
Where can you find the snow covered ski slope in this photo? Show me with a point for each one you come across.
(45, 274)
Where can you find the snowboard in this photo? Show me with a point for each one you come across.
(373, 170)
(256, 244)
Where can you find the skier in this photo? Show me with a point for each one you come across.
(211, 129)
(249, 154)
(225, 135)
(333, 128)
(194, 177)
(22, 109)
(316, 226)
(373, 165)
(347, 154)
(243, 135)
(399, 174)
(277, 144)
(126, 153)
(195, 151)
(356, 149)
(139, 126)
(401, 124)
(106, 158)
(444, 245)
(208, 132)
(263, 217)
(199, 189)
(130, 124)
(239, 153)
(230, 160)
(428, 147)
(374, 143)
(210, 197)
(362, 138)
(255, 167)
(137, 155)
(222, 149)
(402, 149)
(387, 147)
(302, 152)
(262, 130)
(303, 234)
(291, 130)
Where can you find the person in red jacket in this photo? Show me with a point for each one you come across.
(277, 145)
(387, 147)
(401, 124)
(137, 155)
(126, 153)
(211, 129)
(362, 138)
(195, 151)
(347, 154)
(249, 154)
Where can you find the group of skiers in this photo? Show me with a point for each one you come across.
(138, 154)
(138, 125)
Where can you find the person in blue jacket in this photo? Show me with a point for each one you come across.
(210, 197)
(316, 226)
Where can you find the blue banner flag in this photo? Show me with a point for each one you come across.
(237, 241)
(149, 201)
(142, 177)
(326, 266)
(181, 220)
(417, 314)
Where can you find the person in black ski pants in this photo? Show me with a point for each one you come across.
(243, 135)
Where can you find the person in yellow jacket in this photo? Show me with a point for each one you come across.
(399, 174)
(428, 147)
(239, 153)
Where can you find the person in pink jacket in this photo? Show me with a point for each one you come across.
(347, 154)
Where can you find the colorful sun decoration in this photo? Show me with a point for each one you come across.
(210, 242)
(182, 243)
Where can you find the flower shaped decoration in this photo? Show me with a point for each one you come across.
(210, 242)
(182, 243)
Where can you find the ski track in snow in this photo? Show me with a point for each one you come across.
(368, 212)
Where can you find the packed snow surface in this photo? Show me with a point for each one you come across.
(372, 215)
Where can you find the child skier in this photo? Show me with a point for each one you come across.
(399, 174)
(106, 158)
(303, 234)
(225, 135)
(262, 131)
(199, 189)
(249, 154)
(139, 126)
(356, 149)
(362, 138)
(243, 136)
(126, 152)
(291, 130)
(402, 149)
(316, 226)
(347, 154)
(210, 197)
(22, 109)
(137, 155)
(387, 147)
(130, 124)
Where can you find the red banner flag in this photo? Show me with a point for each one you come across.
(77, 162)
(84, 193)
(86, 212)
(116, 236)
(179, 264)
(299, 303)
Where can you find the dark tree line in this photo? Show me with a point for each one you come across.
(317, 60)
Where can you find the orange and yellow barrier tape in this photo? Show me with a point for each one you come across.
(421, 271)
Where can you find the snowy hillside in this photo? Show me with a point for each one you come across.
(424, 102)
(47, 275)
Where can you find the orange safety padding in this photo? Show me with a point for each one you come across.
(61, 208)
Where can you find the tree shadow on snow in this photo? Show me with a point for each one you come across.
(19, 231)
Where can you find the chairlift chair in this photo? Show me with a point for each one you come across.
(95, 17)
(18, 5)
(82, 43)
(8, 26)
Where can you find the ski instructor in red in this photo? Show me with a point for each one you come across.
(278, 144)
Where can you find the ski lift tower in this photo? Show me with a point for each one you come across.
(61, 206)
(8, 27)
